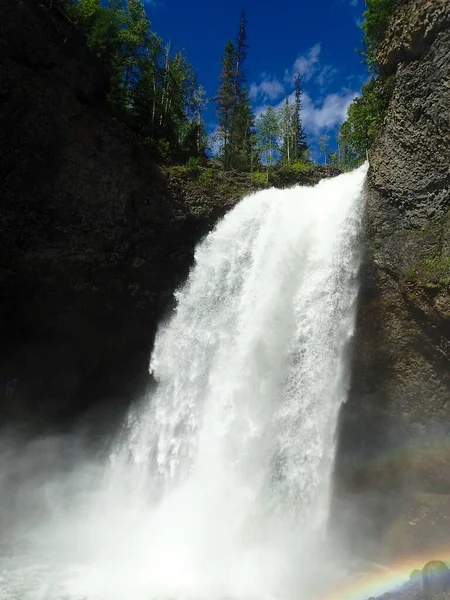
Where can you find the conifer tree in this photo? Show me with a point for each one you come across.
(225, 102)
(240, 75)
(234, 111)
(243, 117)
(300, 146)
(242, 132)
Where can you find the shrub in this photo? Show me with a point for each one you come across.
(284, 175)
(365, 118)
(258, 179)
(376, 21)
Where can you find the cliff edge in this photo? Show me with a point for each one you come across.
(394, 458)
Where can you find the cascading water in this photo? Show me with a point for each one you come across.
(220, 484)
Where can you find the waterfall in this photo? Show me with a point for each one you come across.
(219, 486)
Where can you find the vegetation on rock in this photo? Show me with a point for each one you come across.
(151, 89)
(367, 113)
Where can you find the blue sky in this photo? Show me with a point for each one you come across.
(317, 38)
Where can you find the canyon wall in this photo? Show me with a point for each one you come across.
(394, 458)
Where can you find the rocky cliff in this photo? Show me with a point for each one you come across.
(397, 420)
(93, 241)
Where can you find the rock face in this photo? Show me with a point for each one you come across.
(435, 578)
(397, 420)
(92, 240)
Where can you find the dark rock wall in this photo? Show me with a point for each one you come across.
(394, 457)
(92, 242)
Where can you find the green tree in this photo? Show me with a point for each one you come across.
(333, 159)
(150, 88)
(225, 100)
(268, 132)
(234, 111)
(323, 145)
(255, 155)
(287, 126)
(376, 21)
(242, 132)
(242, 126)
(241, 51)
(300, 145)
(366, 114)
(197, 108)
(365, 119)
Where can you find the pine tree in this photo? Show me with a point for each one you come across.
(243, 117)
(241, 51)
(225, 102)
(300, 146)
(241, 136)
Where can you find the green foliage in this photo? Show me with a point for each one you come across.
(268, 132)
(287, 130)
(283, 175)
(437, 269)
(376, 21)
(195, 162)
(300, 146)
(152, 90)
(160, 149)
(294, 146)
(259, 179)
(430, 272)
(428, 262)
(324, 140)
(301, 167)
(234, 111)
(225, 102)
(242, 135)
(365, 118)
(366, 114)
(333, 159)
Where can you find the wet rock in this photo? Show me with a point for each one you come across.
(416, 576)
(435, 578)
(402, 339)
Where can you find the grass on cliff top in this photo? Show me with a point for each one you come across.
(213, 180)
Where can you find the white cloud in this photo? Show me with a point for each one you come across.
(326, 76)
(269, 89)
(354, 3)
(321, 116)
(322, 112)
(324, 116)
(307, 64)
(309, 67)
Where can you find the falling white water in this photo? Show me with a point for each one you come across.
(220, 485)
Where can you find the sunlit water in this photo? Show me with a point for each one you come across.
(219, 485)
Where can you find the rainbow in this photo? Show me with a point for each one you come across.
(384, 579)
